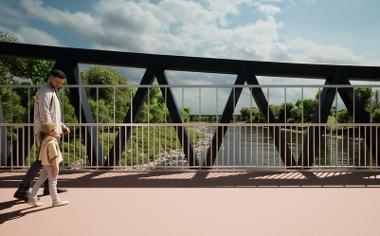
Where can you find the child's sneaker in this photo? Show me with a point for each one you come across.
(34, 202)
(59, 203)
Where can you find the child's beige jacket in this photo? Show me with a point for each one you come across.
(50, 154)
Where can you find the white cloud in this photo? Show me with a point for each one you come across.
(268, 9)
(309, 51)
(193, 28)
(79, 22)
(35, 36)
(255, 41)
(10, 16)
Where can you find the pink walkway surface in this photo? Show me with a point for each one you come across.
(199, 203)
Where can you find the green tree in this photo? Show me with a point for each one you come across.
(107, 104)
(376, 115)
(279, 112)
(249, 114)
(305, 108)
(39, 69)
(68, 109)
(365, 95)
(185, 111)
(13, 110)
(10, 100)
(155, 109)
(343, 116)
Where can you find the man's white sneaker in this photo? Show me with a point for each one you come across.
(34, 202)
(59, 203)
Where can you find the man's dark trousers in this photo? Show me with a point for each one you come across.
(30, 175)
(22, 191)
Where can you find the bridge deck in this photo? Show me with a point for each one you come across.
(199, 203)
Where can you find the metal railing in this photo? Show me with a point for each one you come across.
(245, 146)
(312, 124)
(248, 144)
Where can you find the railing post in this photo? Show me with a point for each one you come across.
(3, 140)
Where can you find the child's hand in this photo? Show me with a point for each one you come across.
(55, 172)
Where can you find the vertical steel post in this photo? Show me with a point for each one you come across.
(78, 98)
(3, 140)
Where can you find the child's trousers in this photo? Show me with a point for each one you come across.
(46, 173)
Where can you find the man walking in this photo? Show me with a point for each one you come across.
(46, 109)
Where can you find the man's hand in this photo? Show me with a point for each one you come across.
(55, 172)
(65, 129)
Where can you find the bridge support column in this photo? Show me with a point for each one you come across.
(78, 98)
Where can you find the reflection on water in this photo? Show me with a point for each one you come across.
(253, 146)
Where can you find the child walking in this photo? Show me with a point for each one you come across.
(50, 157)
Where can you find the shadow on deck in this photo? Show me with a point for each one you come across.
(204, 179)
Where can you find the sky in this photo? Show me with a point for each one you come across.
(305, 31)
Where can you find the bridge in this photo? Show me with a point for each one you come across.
(288, 161)
(275, 142)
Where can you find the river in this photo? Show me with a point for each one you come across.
(252, 146)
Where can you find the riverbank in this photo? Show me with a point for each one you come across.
(176, 157)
